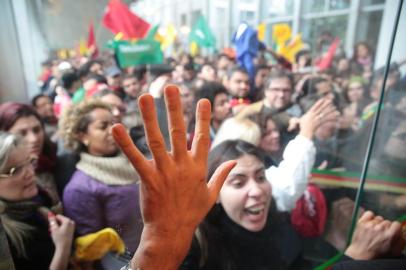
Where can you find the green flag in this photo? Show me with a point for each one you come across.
(143, 51)
(201, 34)
(152, 32)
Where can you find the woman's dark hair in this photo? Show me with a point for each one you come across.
(215, 250)
(10, 112)
(84, 70)
(98, 78)
(366, 45)
(210, 90)
(229, 150)
(69, 78)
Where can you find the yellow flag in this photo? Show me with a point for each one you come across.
(289, 51)
(261, 31)
(82, 47)
(119, 36)
(169, 37)
(281, 33)
(63, 54)
(194, 49)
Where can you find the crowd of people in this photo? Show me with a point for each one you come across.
(67, 171)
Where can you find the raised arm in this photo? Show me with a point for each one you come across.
(289, 180)
(175, 196)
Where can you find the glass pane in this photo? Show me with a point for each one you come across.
(369, 25)
(385, 191)
(313, 6)
(319, 32)
(339, 4)
(366, 3)
(278, 8)
(247, 16)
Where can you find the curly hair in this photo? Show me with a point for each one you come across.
(76, 120)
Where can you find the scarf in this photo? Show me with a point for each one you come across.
(115, 170)
(234, 247)
(21, 210)
(5, 255)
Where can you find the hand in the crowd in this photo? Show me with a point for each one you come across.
(61, 229)
(323, 165)
(175, 196)
(341, 216)
(374, 237)
(322, 111)
(157, 86)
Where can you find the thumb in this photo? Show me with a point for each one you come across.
(323, 165)
(218, 178)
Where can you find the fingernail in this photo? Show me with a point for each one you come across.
(51, 215)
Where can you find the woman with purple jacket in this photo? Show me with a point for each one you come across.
(104, 188)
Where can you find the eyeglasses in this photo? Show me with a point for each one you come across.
(282, 90)
(19, 169)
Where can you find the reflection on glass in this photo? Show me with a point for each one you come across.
(313, 6)
(339, 4)
(314, 29)
(368, 26)
(278, 7)
(247, 16)
(372, 2)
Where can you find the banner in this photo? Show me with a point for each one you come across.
(143, 51)
(351, 180)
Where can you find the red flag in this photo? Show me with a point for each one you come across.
(118, 18)
(325, 61)
(91, 42)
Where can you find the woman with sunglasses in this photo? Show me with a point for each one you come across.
(37, 239)
(23, 120)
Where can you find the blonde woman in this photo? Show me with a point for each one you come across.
(37, 238)
(238, 128)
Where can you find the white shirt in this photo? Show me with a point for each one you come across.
(289, 180)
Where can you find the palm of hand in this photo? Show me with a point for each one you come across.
(174, 191)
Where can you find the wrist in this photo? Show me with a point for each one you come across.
(358, 254)
(307, 133)
(162, 249)
(63, 247)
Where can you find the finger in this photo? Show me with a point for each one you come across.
(398, 244)
(379, 218)
(394, 229)
(323, 165)
(152, 131)
(331, 115)
(218, 178)
(382, 225)
(53, 223)
(324, 107)
(368, 215)
(176, 122)
(319, 105)
(201, 141)
(328, 109)
(126, 145)
(64, 221)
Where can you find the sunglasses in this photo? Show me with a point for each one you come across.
(17, 170)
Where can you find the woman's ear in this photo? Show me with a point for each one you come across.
(83, 138)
